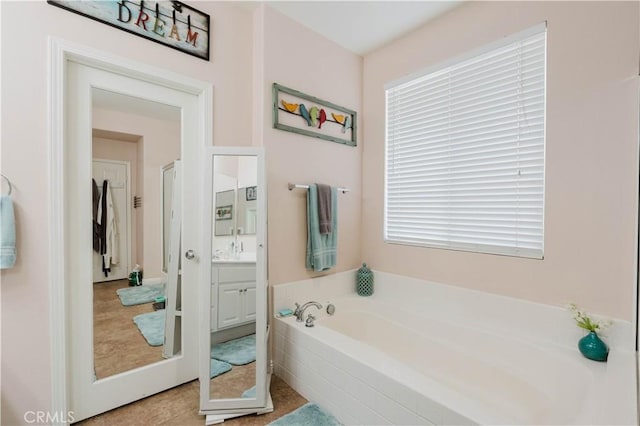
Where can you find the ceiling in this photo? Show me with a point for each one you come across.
(131, 105)
(363, 26)
(359, 26)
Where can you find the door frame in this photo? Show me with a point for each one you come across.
(61, 52)
(129, 232)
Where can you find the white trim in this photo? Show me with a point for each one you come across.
(636, 261)
(57, 324)
(165, 266)
(155, 280)
(59, 53)
(468, 55)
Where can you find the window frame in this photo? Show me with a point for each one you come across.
(513, 251)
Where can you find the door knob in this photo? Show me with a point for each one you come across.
(190, 254)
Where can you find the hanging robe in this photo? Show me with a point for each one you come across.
(109, 228)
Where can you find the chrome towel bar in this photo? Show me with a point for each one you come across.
(293, 186)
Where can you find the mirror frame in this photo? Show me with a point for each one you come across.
(61, 53)
(234, 405)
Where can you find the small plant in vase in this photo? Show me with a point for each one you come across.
(591, 346)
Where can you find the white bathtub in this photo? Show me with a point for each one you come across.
(376, 362)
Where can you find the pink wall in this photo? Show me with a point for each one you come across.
(25, 365)
(303, 60)
(591, 153)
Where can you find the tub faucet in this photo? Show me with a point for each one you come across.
(299, 312)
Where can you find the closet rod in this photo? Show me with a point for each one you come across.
(296, 185)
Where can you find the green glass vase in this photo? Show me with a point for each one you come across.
(364, 281)
(592, 347)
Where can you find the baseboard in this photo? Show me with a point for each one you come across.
(149, 281)
(233, 333)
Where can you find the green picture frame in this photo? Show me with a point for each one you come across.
(224, 212)
(297, 112)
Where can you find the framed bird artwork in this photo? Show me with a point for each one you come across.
(294, 111)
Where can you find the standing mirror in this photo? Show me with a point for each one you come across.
(233, 373)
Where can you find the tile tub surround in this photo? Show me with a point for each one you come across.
(360, 383)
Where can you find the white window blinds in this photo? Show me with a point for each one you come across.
(465, 152)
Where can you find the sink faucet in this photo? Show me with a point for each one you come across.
(299, 312)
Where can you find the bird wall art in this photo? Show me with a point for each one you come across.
(296, 112)
(315, 116)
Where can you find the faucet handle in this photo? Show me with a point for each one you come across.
(309, 321)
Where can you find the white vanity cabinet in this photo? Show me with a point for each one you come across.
(233, 294)
(237, 303)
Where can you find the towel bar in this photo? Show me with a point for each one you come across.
(293, 186)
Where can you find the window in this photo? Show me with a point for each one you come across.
(465, 151)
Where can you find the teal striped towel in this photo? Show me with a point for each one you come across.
(321, 249)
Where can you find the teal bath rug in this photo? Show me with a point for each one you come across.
(309, 414)
(249, 393)
(140, 294)
(237, 352)
(219, 367)
(151, 325)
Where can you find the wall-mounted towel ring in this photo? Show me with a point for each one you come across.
(8, 183)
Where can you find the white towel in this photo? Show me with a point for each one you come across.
(111, 255)
(7, 233)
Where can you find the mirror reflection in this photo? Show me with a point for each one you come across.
(247, 210)
(167, 200)
(135, 143)
(223, 212)
(233, 287)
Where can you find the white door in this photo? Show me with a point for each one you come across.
(86, 396)
(117, 173)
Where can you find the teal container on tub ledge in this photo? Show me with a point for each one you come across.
(592, 347)
(364, 281)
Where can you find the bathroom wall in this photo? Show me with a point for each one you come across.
(292, 55)
(160, 145)
(122, 150)
(24, 30)
(591, 153)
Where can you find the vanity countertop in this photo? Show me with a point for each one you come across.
(245, 257)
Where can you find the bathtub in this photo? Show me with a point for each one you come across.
(377, 362)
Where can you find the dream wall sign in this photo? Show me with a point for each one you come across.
(296, 112)
(171, 23)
